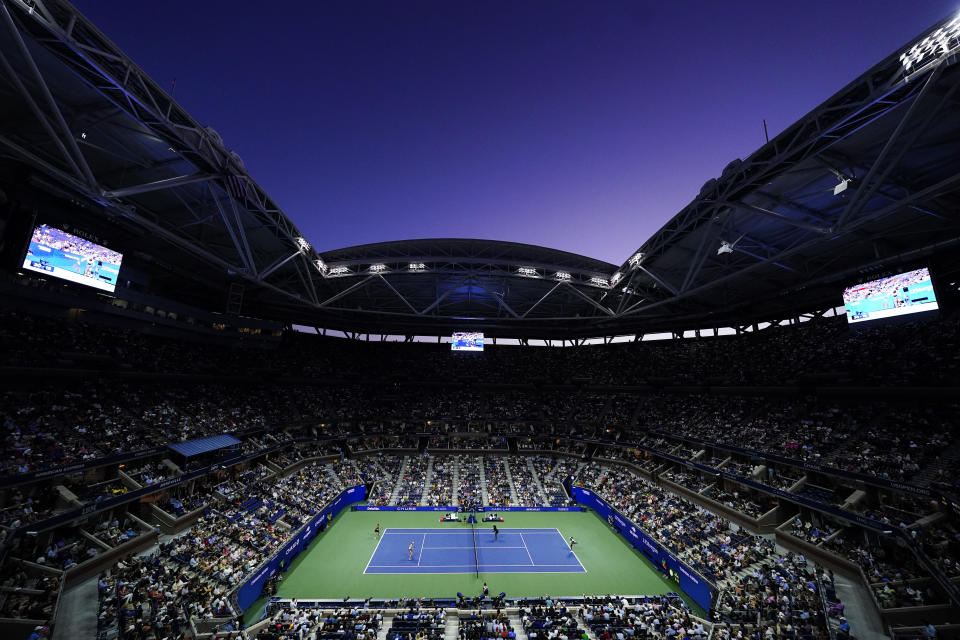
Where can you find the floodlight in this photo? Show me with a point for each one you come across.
(725, 247)
(562, 275)
(378, 268)
(527, 271)
(601, 282)
(339, 271)
(321, 266)
(302, 244)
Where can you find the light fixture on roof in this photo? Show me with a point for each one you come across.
(600, 282)
(321, 266)
(728, 247)
(339, 271)
(615, 278)
(302, 244)
(562, 275)
(417, 266)
(378, 268)
(842, 186)
(636, 259)
(530, 272)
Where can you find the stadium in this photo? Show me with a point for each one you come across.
(745, 429)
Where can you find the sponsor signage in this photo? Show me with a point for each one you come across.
(249, 590)
(701, 590)
(457, 510)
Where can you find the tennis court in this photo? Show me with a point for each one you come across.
(468, 551)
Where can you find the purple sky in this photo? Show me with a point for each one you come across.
(581, 126)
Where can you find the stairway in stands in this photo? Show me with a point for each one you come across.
(517, 625)
(451, 630)
(398, 484)
(427, 481)
(454, 479)
(509, 476)
(483, 482)
(544, 498)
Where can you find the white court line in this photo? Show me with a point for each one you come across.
(445, 532)
(478, 547)
(532, 563)
(422, 543)
(449, 573)
(441, 566)
(375, 550)
(573, 552)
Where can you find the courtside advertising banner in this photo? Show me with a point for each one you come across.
(250, 590)
(689, 581)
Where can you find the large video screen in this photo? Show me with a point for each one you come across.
(466, 341)
(910, 292)
(63, 255)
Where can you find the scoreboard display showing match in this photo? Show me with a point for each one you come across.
(904, 293)
(466, 341)
(56, 253)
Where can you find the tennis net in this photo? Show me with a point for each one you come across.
(476, 558)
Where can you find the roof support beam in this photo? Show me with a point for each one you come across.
(303, 271)
(75, 152)
(593, 302)
(241, 253)
(276, 265)
(754, 209)
(347, 291)
(168, 183)
(699, 257)
(446, 293)
(499, 298)
(934, 190)
(397, 293)
(868, 185)
(241, 231)
(544, 297)
(41, 117)
(663, 283)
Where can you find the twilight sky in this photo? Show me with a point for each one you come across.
(582, 126)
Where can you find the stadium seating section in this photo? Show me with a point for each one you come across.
(697, 470)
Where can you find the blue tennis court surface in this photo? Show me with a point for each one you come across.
(452, 551)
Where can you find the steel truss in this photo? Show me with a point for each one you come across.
(870, 162)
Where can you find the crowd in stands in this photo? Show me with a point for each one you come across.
(498, 486)
(752, 504)
(440, 490)
(613, 618)
(410, 487)
(249, 514)
(418, 623)
(293, 622)
(525, 483)
(552, 472)
(825, 347)
(469, 491)
(479, 626)
(27, 593)
(777, 598)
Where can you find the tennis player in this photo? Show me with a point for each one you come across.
(496, 532)
(377, 531)
(410, 549)
(572, 542)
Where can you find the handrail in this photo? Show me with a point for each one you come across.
(826, 608)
